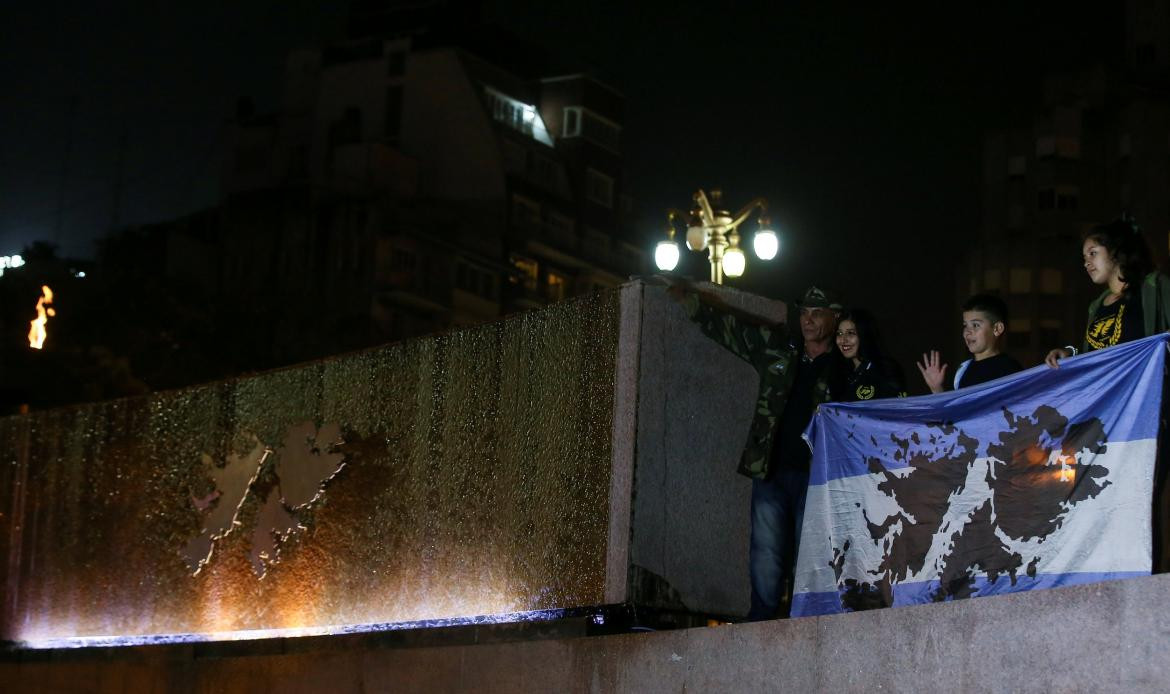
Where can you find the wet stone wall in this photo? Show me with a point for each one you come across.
(458, 475)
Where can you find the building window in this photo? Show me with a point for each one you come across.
(572, 122)
(601, 131)
(475, 280)
(395, 63)
(393, 118)
(525, 212)
(1051, 281)
(1067, 198)
(1068, 147)
(1018, 342)
(526, 273)
(1016, 217)
(1046, 199)
(626, 204)
(599, 188)
(596, 242)
(557, 284)
(992, 280)
(547, 171)
(402, 259)
(515, 157)
(1051, 333)
(1020, 280)
(346, 130)
(517, 115)
(560, 227)
(1017, 166)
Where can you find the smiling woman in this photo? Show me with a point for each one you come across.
(871, 375)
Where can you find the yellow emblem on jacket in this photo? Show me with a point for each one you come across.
(864, 392)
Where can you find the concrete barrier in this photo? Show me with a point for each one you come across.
(1106, 637)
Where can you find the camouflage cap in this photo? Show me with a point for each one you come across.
(815, 297)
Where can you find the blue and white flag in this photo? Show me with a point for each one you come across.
(1036, 480)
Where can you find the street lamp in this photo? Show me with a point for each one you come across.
(711, 228)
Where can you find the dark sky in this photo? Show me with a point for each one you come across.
(861, 125)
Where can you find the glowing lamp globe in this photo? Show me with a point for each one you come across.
(734, 262)
(766, 244)
(696, 238)
(666, 255)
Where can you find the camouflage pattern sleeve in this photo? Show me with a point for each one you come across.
(743, 340)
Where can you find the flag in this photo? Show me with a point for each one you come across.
(1036, 480)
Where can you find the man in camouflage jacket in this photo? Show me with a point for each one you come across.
(795, 371)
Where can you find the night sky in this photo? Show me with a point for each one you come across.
(861, 126)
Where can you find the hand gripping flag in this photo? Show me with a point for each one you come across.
(1037, 480)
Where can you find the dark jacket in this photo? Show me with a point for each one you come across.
(869, 381)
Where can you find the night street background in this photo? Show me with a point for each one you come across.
(860, 123)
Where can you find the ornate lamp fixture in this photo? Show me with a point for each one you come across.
(711, 228)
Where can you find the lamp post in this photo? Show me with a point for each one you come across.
(714, 229)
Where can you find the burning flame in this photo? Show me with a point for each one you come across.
(37, 332)
(1067, 472)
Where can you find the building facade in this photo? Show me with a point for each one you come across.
(408, 185)
(1097, 146)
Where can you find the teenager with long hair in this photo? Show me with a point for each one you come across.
(1135, 302)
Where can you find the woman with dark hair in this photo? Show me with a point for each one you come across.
(870, 375)
(1136, 299)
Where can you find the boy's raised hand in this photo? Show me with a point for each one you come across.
(932, 371)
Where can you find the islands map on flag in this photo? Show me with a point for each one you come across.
(1036, 480)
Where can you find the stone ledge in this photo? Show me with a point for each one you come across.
(1102, 637)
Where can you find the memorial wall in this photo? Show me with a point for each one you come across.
(575, 456)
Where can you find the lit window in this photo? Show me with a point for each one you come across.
(599, 188)
(517, 115)
(556, 286)
(526, 272)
